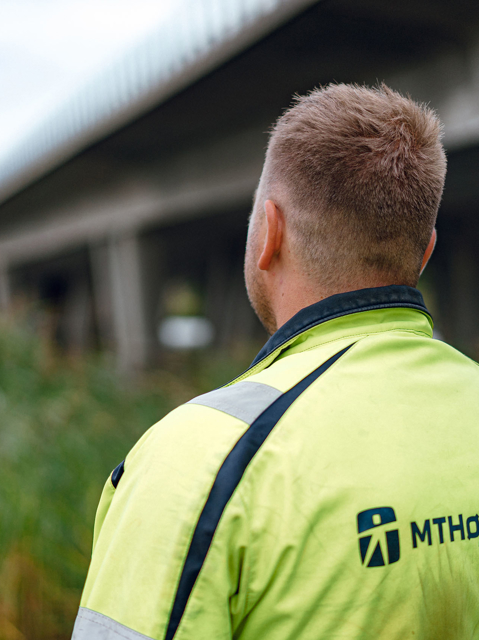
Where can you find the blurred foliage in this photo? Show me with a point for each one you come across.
(181, 299)
(66, 422)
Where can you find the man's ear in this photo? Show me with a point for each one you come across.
(273, 237)
(429, 250)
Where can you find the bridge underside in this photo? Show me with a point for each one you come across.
(165, 200)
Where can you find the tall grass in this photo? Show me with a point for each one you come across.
(64, 425)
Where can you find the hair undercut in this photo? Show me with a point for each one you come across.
(359, 174)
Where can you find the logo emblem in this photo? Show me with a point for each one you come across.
(373, 555)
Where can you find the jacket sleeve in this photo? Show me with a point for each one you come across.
(144, 532)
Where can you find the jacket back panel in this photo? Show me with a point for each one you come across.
(356, 518)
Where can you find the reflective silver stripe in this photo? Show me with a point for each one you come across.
(244, 400)
(91, 625)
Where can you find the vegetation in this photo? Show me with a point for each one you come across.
(65, 424)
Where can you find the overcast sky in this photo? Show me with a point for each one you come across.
(49, 47)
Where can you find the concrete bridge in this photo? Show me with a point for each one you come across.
(141, 184)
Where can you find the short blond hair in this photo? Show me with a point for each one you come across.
(361, 173)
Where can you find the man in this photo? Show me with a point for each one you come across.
(331, 490)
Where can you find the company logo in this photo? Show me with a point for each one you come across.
(381, 546)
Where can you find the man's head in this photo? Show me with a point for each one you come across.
(355, 176)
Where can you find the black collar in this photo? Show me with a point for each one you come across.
(339, 305)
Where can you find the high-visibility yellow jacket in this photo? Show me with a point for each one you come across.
(331, 491)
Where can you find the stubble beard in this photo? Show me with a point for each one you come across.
(256, 289)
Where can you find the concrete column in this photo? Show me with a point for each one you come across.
(119, 301)
(5, 293)
(465, 288)
(76, 317)
(153, 279)
(128, 306)
(103, 295)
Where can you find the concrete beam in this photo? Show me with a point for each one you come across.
(107, 103)
(202, 181)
